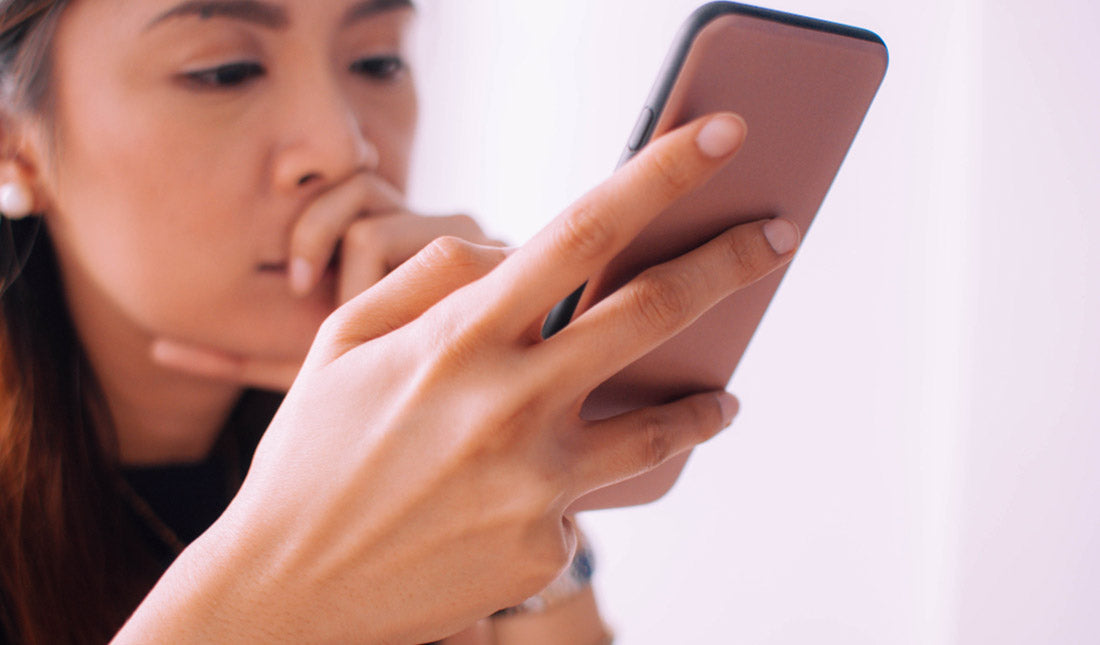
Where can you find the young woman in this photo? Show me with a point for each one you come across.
(207, 195)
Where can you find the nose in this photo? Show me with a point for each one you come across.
(324, 140)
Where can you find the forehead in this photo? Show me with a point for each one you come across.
(270, 14)
(148, 15)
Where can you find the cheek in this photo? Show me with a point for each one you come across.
(143, 214)
(166, 226)
(151, 211)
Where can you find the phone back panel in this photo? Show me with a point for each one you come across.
(803, 87)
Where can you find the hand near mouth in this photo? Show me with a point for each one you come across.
(361, 229)
(364, 220)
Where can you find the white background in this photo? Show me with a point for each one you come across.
(918, 456)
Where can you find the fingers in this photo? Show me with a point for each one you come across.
(269, 374)
(592, 231)
(445, 265)
(322, 225)
(667, 298)
(637, 442)
(374, 246)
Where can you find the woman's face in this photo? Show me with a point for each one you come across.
(189, 137)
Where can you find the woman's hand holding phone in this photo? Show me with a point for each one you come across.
(417, 476)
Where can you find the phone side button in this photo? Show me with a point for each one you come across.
(641, 130)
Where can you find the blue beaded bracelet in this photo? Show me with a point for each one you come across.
(576, 578)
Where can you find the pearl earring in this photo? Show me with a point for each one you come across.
(16, 201)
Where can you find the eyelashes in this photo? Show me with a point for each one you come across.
(382, 68)
(238, 74)
(226, 76)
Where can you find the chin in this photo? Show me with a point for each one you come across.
(278, 332)
(272, 330)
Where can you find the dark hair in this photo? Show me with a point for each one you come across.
(26, 31)
(73, 564)
(59, 576)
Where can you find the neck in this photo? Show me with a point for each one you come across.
(156, 416)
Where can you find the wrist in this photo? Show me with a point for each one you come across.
(573, 581)
(194, 601)
(227, 586)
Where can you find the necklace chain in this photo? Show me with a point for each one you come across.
(152, 521)
(149, 517)
(227, 447)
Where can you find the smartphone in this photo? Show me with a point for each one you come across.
(803, 86)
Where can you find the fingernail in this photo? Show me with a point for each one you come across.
(782, 235)
(729, 406)
(301, 276)
(720, 136)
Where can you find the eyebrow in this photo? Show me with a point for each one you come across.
(369, 8)
(266, 14)
(254, 11)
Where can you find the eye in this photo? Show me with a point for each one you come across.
(382, 68)
(226, 76)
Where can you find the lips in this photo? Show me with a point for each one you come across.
(283, 266)
(273, 267)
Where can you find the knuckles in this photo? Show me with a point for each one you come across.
(656, 443)
(673, 176)
(744, 255)
(585, 233)
(362, 234)
(466, 226)
(333, 327)
(450, 253)
(665, 432)
(659, 299)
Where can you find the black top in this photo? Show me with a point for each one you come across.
(187, 498)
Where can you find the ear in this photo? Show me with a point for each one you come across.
(21, 153)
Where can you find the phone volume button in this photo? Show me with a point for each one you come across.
(641, 129)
